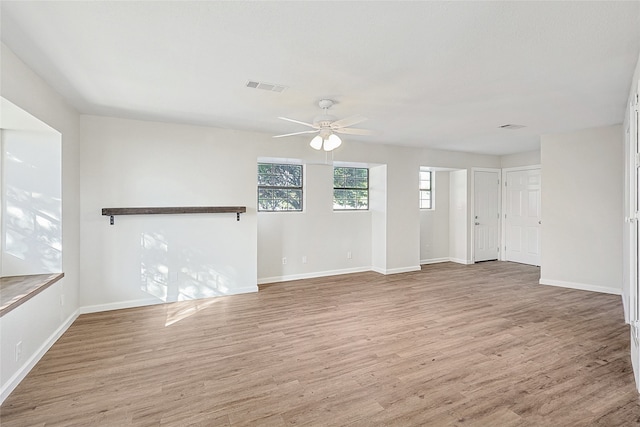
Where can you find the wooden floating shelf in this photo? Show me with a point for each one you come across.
(173, 210)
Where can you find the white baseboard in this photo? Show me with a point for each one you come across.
(16, 378)
(119, 305)
(245, 290)
(387, 271)
(580, 286)
(625, 308)
(326, 273)
(434, 260)
(149, 301)
(461, 261)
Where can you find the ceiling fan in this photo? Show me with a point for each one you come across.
(327, 127)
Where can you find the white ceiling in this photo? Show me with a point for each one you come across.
(432, 74)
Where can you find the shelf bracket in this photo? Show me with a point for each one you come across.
(111, 220)
(237, 216)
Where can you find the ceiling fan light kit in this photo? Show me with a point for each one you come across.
(329, 143)
(327, 126)
(332, 142)
(327, 140)
(316, 142)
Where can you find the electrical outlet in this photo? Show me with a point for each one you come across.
(18, 351)
(284, 260)
(304, 259)
(349, 255)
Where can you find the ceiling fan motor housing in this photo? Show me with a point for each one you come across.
(325, 132)
(324, 121)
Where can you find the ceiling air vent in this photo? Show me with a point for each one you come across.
(512, 127)
(266, 86)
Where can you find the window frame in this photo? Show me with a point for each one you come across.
(348, 209)
(430, 191)
(280, 187)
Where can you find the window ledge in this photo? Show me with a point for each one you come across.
(16, 290)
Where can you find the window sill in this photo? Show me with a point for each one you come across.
(16, 290)
(280, 212)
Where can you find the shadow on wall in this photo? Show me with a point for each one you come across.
(174, 272)
(32, 212)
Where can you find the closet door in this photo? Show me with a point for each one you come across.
(522, 216)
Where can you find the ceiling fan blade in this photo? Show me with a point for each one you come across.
(349, 121)
(354, 131)
(296, 133)
(299, 122)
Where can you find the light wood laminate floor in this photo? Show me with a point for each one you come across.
(451, 345)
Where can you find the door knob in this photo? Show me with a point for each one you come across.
(540, 222)
(477, 223)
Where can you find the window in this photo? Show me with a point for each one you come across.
(426, 189)
(350, 188)
(279, 187)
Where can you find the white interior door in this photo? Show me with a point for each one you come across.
(522, 216)
(486, 210)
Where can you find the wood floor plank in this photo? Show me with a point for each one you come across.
(450, 345)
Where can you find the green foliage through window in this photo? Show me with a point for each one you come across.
(279, 187)
(350, 188)
(426, 189)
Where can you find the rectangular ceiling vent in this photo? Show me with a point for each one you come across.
(266, 86)
(512, 127)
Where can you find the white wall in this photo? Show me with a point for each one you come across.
(378, 207)
(434, 223)
(394, 237)
(582, 209)
(31, 203)
(403, 214)
(43, 319)
(318, 233)
(459, 217)
(527, 158)
(159, 258)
